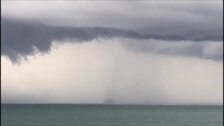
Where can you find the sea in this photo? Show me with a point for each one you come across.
(110, 115)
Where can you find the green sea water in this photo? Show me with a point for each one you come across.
(110, 115)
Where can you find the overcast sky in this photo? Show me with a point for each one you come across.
(128, 52)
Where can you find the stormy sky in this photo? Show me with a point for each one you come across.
(122, 52)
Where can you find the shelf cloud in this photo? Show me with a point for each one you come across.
(21, 39)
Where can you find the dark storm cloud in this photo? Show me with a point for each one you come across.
(22, 38)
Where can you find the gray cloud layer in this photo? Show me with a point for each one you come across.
(35, 24)
(22, 38)
(161, 17)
